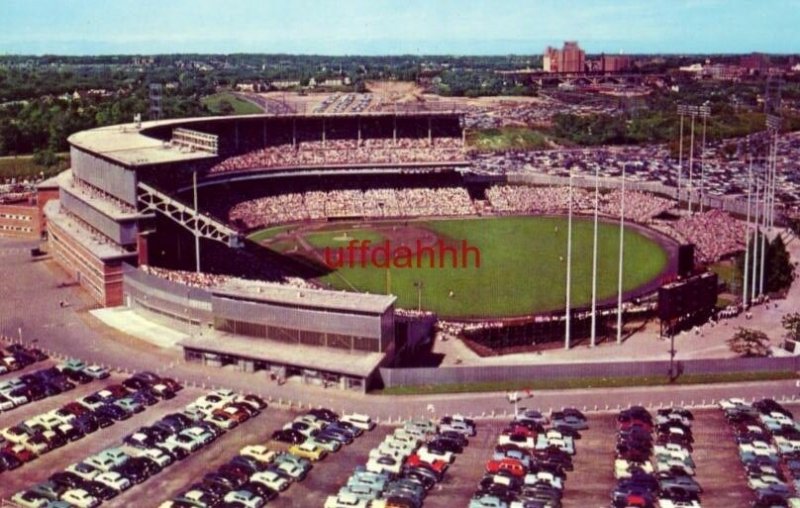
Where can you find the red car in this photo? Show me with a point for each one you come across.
(118, 391)
(437, 465)
(76, 409)
(21, 453)
(519, 429)
(512, 466)
(171, 384)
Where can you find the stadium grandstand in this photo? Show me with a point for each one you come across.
(154, 216)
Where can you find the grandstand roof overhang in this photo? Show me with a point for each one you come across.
(131, 146)
(359, 364)
(341, 301)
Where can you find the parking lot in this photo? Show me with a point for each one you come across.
(719, 470)
(56, 460)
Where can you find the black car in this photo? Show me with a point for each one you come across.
(8, 461)
(211, 427)
(37, 354)
(156, 433)
(288, 436)
(256, 401)
(261, 490)
(249, 463)
(135, 384)
(426, 477)
(177, 453)
(98, 489)
(455, 436)
(216, 490)
(226, 480)
(67, 479)
(443, 444)
(70, 432)
(324, 414)
(77, 376)
(145, 397)
(342, 437)
(111, 411)
(133, 470)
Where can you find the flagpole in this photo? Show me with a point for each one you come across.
(765, 204)
(567, 336)
(593, 334)
(621, 256)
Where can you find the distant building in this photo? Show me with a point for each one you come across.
(571, 58)
(615, 63)
(755, 62)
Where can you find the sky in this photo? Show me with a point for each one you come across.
(379, 27)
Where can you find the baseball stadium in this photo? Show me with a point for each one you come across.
(327, 246)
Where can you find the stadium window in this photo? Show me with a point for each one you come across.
(311, 338)
(282, 334)
(223, 325)
(251, 329)
(365, 344)
(339, 341)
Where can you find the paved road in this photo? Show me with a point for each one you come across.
(29, 303)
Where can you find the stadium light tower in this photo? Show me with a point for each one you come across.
(705, 112)
(593, 332)
(682, 114)
(747, 233)
(756, 218)
(568, 317)
(621, 257)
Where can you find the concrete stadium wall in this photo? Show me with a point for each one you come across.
(499, 373)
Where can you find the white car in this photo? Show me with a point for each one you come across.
(293, 471)
(80, 498)
(431, 455)
(358, 420)
(188, 443)
(385, 464)
(668, 503)
(383, 449)
(14, 435)
(546, 477)
(96, 372)
(763, 481)
(271, 480)
(733, 403)
(113, 480)
(346, 501)
(244, 497)
(6, 404)
(259, 452)
(29, 499)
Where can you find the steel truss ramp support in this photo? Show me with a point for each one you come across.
(204, 226)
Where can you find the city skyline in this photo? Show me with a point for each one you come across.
(375, 28)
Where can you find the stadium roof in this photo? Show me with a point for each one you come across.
(317, 298)
(360, 364)
(127, 145)
(131, 146)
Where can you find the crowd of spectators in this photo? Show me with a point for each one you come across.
(347, 151)
(639, 207)
(205, 280)
(714, 233)
(371, 203)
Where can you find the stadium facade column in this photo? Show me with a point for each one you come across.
(264, 133)
(236, 134)
(294, 132)
(324, 134)
(359, 130)
(142, 247)
(593, 331)
(430, 133)
(747, 233)
(621, 257)
(568, 317)
(394, 128)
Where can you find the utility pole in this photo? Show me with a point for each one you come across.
(747, 234)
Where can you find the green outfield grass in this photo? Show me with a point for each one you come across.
(268, 234)
(340, 238)
(521, 271)
(240, 106)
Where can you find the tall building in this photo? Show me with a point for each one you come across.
(571, 58)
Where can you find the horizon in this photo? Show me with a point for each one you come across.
(378, 28)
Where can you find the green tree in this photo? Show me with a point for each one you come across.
(749, 343)
(791, 322)
(225, 107)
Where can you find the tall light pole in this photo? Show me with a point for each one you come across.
(705, 111)
(745, 271)
(755, 243)
(682, 114)
(621, 256)
(765, 204)
(568, 317)
(593, 332)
